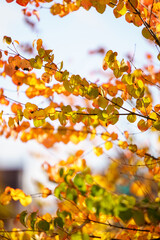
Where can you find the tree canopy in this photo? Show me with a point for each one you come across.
(124, 201)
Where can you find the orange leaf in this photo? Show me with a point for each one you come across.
(39, 44)
(15, 107)
(22, 2)
(5, 198)
(36, 13)
(142, 125)
(46, 192)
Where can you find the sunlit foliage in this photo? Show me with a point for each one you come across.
(123, 202)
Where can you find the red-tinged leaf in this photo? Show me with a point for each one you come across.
(114, 136)
(46, 77)
(25, 65)
(9, 1)
(0, 54)
(22, 2)
(15, 107)
(6, 53)
(157, 108)
(112, 90)
(142, 125)
(132, 5)
(129, 67)
(86, 4)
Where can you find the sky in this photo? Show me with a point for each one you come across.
(71, 38)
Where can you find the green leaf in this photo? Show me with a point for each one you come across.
(36, 62)
(61, 171)
(58, 222)
(64, 214)
(71, 194)
(146, 101)
(62, 118)
(90, 204)
(23, 218)
(138, 217)
(79, 236)
(93, 92)
(69, 87)
(97, 190)
(60, 188)
(32, 218)
(126, 215)
(79, 182)
(41, 52)
(43, 225)
(154, 215)
(89, 179)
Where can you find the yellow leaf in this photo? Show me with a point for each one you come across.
(158, 28)
(47, 217)
(105, 136)
(139, 189)
(25, 201)
(98, 151)
(16, 194)
(108, 145)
